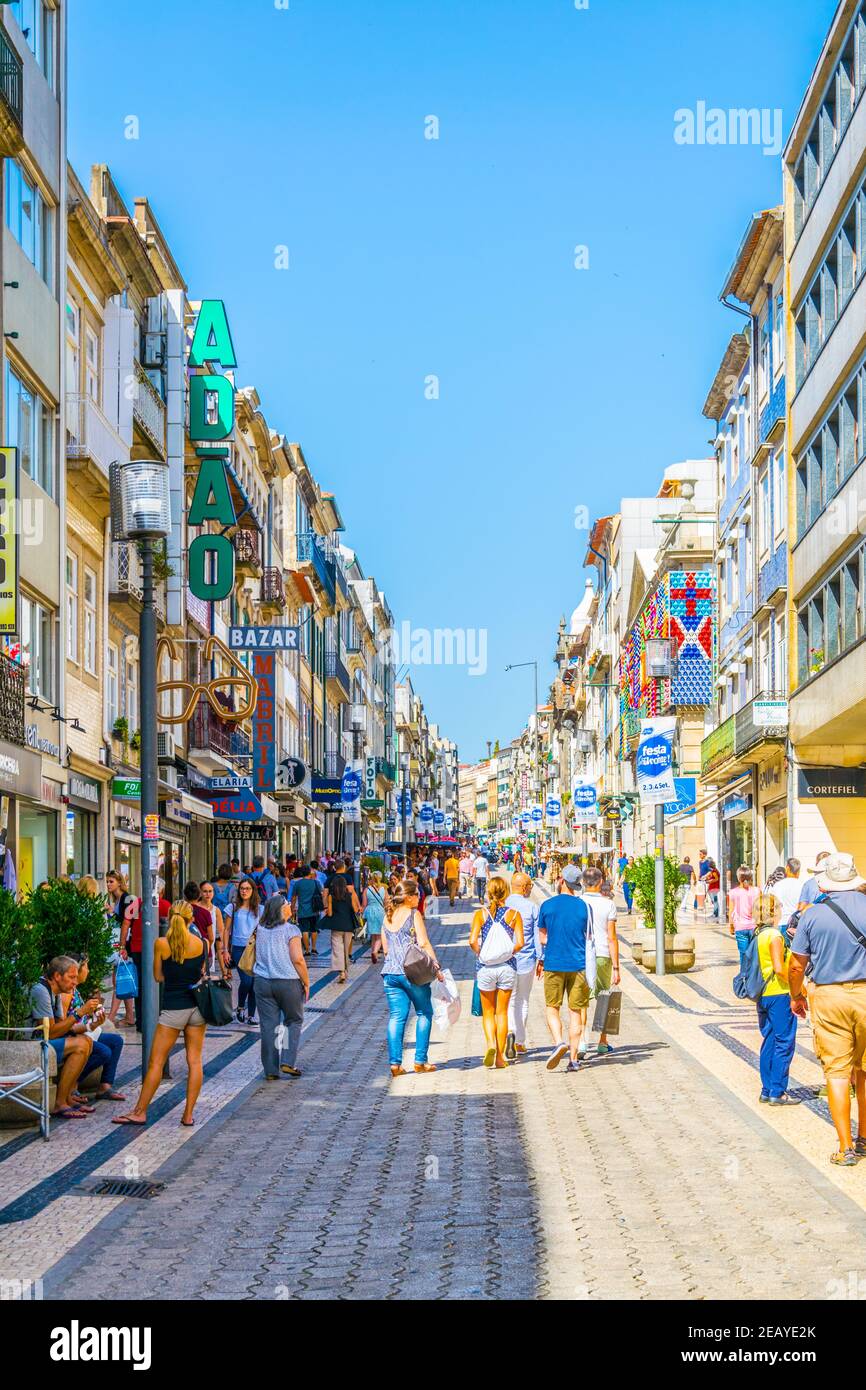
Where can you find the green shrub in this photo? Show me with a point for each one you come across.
(375, 863)
(641, 875)
(20, 962)
(70, 923)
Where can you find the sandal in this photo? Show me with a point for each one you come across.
(398, 1071)
(126, 1120)
(79, 1103)
(860, 1148)
(188, 1124)
(848, 1159)
(69, 1112)
(424, 1066)
(109, 1095)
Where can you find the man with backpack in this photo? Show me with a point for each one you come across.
(263, 879)
(831, 934)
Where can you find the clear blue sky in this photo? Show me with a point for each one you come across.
(304, 127)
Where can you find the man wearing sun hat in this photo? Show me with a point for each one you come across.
(831, 934)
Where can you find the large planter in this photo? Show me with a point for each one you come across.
(641, 939)
(679, 953)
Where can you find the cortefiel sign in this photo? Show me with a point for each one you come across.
(211, 422)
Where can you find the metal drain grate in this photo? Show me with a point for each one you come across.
(118, 1187)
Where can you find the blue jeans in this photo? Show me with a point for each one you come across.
(628, 894)
(106, 1054)
(744, 941)
(246, 986)
(401, 994)
(778, 1027)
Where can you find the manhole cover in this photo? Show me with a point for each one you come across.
(117, 1187)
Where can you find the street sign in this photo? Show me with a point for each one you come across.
(370, 778)
(241, 805)
(229, 782)
(371, 803)
(291, 772)
(264, 722)
(686, 789)
(264, 639)
(126, 788)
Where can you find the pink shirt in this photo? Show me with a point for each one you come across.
(742, 906)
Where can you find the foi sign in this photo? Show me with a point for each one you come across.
(211, 425)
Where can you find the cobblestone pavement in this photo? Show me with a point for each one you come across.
(651, 1174)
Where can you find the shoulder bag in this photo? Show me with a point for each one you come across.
(419, 967)
(247, 962)
(843, 916)
(213, 998)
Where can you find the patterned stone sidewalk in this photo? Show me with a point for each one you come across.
(645, 1176)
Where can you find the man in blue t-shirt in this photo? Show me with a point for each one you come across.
(306, 902)
(563, 923)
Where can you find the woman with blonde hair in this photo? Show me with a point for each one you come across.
(496, 968)
(402, 927)
(179, 962)
(87, 884)
(373, 909)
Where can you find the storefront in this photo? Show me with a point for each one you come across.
(126, 838)
(202, 849)
(28, 825)
(174, 821)
(738, 837)
(772, 815)
(84, 801)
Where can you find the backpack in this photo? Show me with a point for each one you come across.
(497, 946)
(749, 983)
(223, 896)
(259, 881)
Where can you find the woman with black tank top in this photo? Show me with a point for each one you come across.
(344, 910)
(179, 961)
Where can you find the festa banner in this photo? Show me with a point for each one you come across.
(350, 792)
(655, 760)
(553, 810)
(585, 802)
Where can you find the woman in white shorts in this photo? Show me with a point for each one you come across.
(179, 961)
(496, 980)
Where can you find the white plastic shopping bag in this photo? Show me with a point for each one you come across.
(446, 1002)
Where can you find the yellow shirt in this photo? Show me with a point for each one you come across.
(452, 868)
(775, 985)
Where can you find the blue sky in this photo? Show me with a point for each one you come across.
(304, 127)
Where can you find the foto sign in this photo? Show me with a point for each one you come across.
(211, 423)
(264, 639)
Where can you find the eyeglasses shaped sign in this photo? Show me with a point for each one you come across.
(211, 424)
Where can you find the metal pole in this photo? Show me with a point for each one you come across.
(660, 889)
(405, 772)
(149, 805)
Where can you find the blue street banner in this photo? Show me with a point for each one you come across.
(426, 812)
(585, 799)
(265, 723)
(537, 814)
(404, 798)
(655, 759)
(553, 810)
(685, 804)
(350, 789)
(438, 817)
(264, 639)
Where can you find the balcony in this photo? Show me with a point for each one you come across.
(125, 583)
(247, 552)
(92, 445)
(213, 741)
(718, 747)
(13, 679)
(11, 99)
(386, 770)
(354, 654)
(335, 764)
(335, 670)
(314, 558)
(748, 735)
(773, 412)
(148, 409)
(773, 577)
(272, 596)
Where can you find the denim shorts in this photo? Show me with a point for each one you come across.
(491, 977)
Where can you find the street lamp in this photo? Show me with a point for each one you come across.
(141, 512)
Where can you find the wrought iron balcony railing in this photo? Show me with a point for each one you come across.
(11, 81)
(13, 679)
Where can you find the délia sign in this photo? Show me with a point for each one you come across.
(211, 426)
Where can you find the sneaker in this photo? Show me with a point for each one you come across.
(860, 1148)
(603, 1048)
(573, 1066)
(785, 1099)
(240, 1016)
(764, 1097)
(510, 1048)
(848, 1159)
(556, 1056)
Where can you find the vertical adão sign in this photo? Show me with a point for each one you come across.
(211, 425)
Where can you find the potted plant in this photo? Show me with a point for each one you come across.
(120, 729)
(679, 948)
(72, 923)
(135, 741)
(20, 967)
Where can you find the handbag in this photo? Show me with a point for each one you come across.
(608, 1009)
(213, 999)
(419, 967)
(476, 1001)
(247, 962)
(126, 980)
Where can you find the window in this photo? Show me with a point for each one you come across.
(37, 23)
(778, 334)
(780, 672)
(132, 696)
(72, 607)
(90, 621)
(765, 533)
(780, 496)
(30, 429)
(30, 220)
(764, 356)
(765, 660)
(832, 620)
(112, 685)
(73, 348)
(843, 92)
(37, 637)
(91, 366)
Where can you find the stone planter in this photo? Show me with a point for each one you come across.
(679, 953)
(642, 938)
(17, 1057)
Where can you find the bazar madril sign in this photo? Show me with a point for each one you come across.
(211, 425)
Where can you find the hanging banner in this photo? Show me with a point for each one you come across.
(265, 723)
(425, 815)
(8, 541)
(537, 814)
(585, 798)
(655, 758)
(350, 792)
(438, 817)
(553, 810)
(369, 778)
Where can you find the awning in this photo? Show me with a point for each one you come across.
(201, 810)
(719, 795)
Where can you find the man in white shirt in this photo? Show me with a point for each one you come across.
(789, 890)
(528, 959)
(481, 869)
(602, 913)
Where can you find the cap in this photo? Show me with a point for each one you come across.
(572, 876)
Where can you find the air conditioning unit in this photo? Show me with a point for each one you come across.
(169, 775)
(154, 350)
(166, 747)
